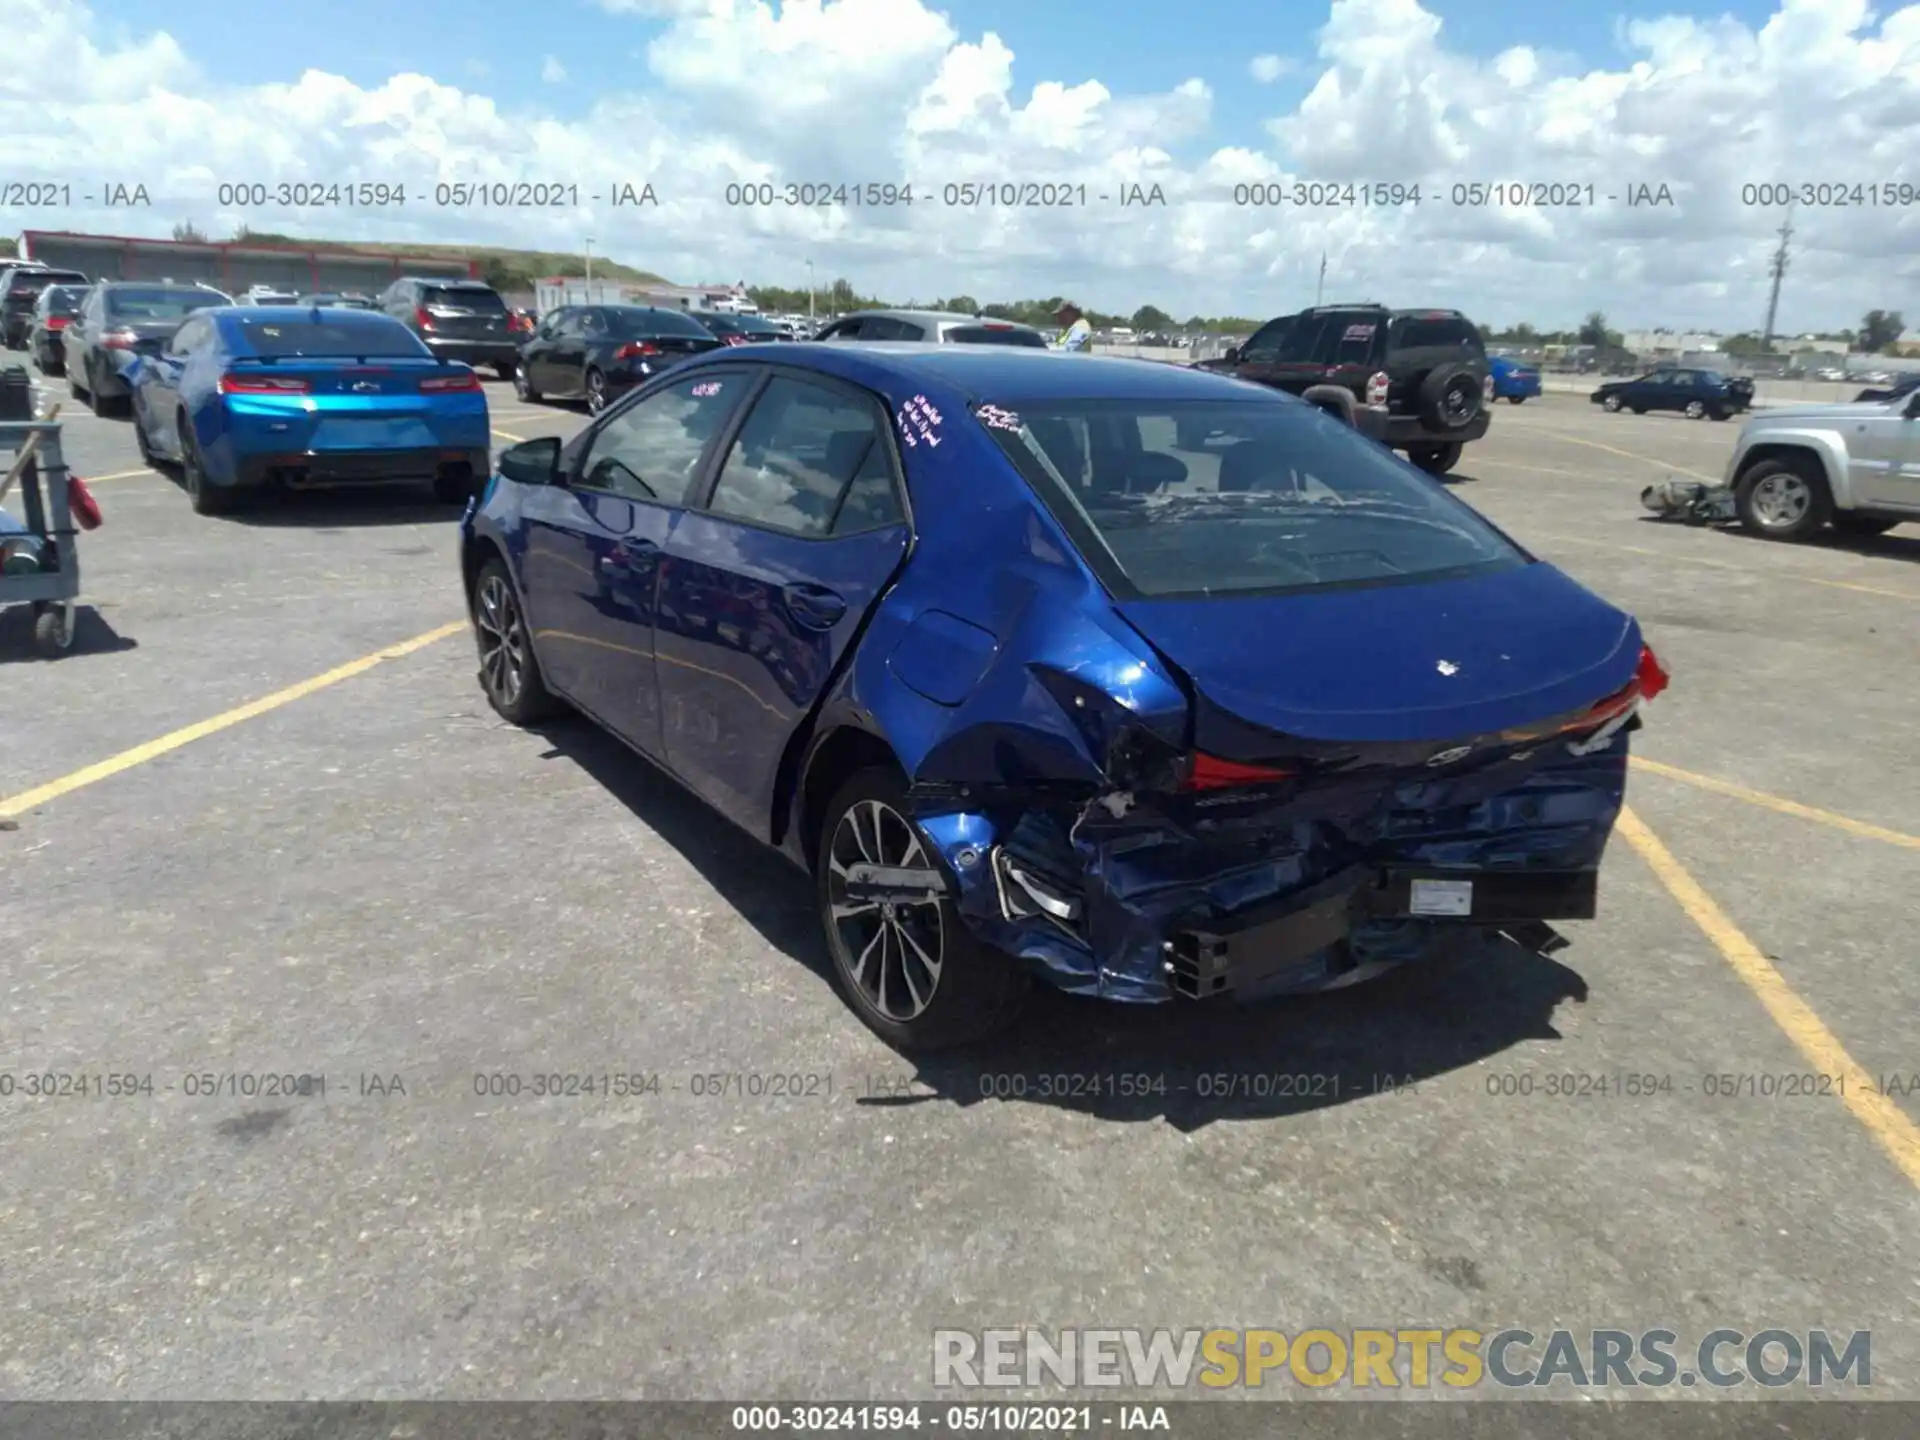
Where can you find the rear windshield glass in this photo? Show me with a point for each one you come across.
(1418, 332)
(986, 335)
(63, 299)
(280, 338)
(1191, 500)
(628, 322)
(459, 297)
(160, 303)
(32, 282)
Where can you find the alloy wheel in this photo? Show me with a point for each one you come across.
(520, 383)
(1612, 402)
(503, 640)
(596, 392)
(1781, 500)
(893, 948)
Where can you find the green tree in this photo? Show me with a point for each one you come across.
(189, 233)
(1879, 329)
(1151, 317)
(1593, 330)
(961, 305)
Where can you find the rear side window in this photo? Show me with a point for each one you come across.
(809, 460)
(1347, 339)
(1455, 332)
(1281, 497)
(989, 335)
(462, 297)
(282, 339)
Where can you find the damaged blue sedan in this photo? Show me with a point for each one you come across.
(1033, 690)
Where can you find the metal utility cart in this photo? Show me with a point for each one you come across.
(30, 453)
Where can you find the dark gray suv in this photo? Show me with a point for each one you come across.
(458, 320)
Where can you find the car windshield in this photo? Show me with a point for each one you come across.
(632, 322)
(1190, 500)
(462, 297)
(161, 304)
(996, 335)
(279, 339)
(32, 282)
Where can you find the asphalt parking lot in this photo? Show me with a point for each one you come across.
(267, 825)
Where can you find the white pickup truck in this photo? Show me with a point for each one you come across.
(1798, 469)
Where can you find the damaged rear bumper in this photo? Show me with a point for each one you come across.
(1145, 903)
(1288, 940)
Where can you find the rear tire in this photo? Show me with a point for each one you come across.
(206, 497)
(1695, 410)
(1516, 399)
(1783, 500)
(453, 489)
(596, 389)
(880, 953)
(509, 670)
(1436, 459)
(505, 369)
(522, 388)
(148, 456)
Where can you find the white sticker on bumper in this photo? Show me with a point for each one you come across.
(1442, 897)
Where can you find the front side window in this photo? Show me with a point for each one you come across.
(651, 449)
(810, 460)
(1280, 497)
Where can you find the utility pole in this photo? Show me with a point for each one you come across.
(1320, 290)
(809, 292)
(589, 259)
(1779, 274)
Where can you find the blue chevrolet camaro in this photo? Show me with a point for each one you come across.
(249, 398)
(1033, 691)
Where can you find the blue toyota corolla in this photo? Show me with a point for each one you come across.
(248, 398)
(1033, 691)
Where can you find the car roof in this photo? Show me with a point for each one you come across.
(451, 282)
(302, 312)
(939, 317)
(1009, 373)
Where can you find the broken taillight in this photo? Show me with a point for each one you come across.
(1652, 676)
(1210, 772)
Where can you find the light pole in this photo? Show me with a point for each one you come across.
(589, 259)
(809, 294)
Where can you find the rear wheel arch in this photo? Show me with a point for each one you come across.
(830, 763)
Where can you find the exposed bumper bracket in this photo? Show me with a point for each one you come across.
(894, 882)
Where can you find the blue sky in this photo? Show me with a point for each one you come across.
(490, 46)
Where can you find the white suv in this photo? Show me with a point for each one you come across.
(1797, 469)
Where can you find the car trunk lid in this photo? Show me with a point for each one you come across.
(1385, 672)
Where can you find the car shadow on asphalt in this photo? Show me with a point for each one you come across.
(1188, 1064)
(322, 510)
(1893, 546)
(93, 634)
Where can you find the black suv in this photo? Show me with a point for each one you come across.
(1423, 373)
(20, 286)
(458, 320)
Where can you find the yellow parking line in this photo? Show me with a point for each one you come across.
(117, 475)
(1626, 454)
(1724, 565)
(140, 754)
(509, 435)
(1859, 1091)
(1776, 802)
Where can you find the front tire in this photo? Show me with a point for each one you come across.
(523, 388)
(596, 386)
(1695, 410)
(910, 969)
(509, 671)
(1611, 404)
(1783, 500)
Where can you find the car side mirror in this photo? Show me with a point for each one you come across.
(1913, 406)
(1233, 353)
(532, 462)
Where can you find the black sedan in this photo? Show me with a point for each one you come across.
(597, 353)
(743, 329)
(1695, 393)
(119, 321)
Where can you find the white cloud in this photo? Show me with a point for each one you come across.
(1269, 68)
(829, 92)
(552, 71)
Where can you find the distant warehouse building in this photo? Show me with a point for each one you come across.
(234, 266)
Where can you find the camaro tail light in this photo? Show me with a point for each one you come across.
(442, 384)
(1377, 386)
(636, 349)
(422, 317)
(1210, 772)
(118, 340)
(234, 384)
(58, 322)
